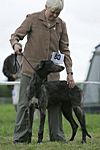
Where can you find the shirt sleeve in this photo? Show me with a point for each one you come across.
(21, 31)
(64, 48)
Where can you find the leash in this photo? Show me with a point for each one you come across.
(17, 63)
(28, 61)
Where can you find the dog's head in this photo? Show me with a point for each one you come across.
(47, 66)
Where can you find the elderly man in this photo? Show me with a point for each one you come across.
(46, 33)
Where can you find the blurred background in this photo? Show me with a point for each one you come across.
(82, 18)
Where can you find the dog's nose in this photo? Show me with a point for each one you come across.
(62, 68)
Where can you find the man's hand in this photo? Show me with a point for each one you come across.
(70, 80)
(18, 48)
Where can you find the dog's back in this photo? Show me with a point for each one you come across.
(59, 92)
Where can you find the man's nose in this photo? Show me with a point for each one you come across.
(55, 15)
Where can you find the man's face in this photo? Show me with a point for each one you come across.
(53, 13)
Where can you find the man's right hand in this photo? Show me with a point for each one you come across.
(18, 48)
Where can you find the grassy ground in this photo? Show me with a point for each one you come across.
(7, 121)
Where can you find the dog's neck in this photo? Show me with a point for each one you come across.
(41, 74)
(39, 78)
(37, 82)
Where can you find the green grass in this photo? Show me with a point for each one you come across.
(7, 122)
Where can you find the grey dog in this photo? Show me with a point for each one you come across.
(56, 92)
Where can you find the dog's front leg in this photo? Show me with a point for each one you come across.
(41, 126)
(43, 100)
(31, 117)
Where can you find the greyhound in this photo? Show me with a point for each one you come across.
(53, 92)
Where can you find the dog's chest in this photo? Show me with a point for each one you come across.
(34, 100)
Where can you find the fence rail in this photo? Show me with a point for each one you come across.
(18, 82)
(9, 82)
(88, 107)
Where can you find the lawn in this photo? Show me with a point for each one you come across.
(7, 122)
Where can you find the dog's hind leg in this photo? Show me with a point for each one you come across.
(41, 126)
(81, 118)
(67, 112)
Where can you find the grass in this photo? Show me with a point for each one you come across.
(7, 122)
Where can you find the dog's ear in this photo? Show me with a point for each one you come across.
(40, 65)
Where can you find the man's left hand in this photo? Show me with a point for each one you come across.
(70, 80)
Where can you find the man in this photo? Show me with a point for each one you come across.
(46, 33)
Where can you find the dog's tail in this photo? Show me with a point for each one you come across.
(88, 134)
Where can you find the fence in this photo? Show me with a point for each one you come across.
(93, 92)
(5, 92)
(9, 82)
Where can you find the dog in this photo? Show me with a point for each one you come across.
(53, 92)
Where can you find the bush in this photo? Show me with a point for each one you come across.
(5, 91)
